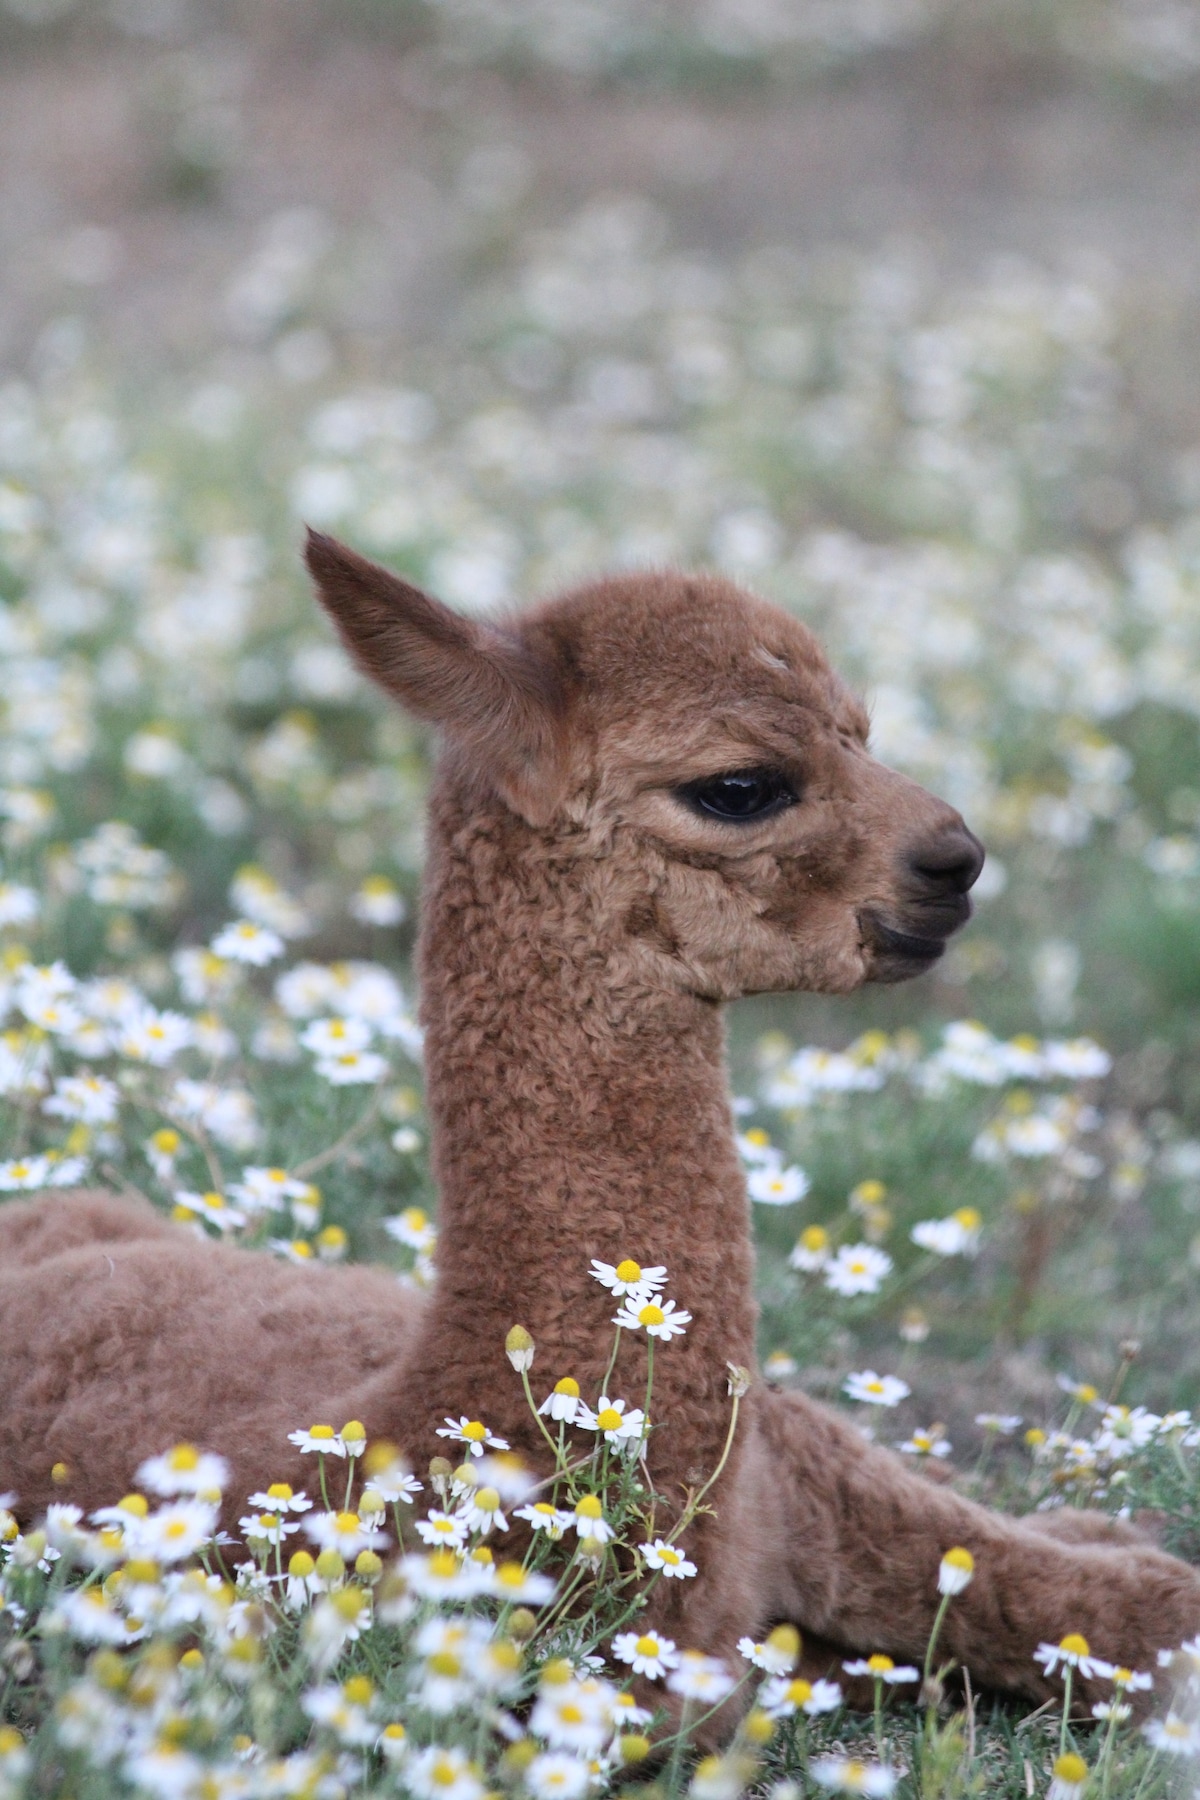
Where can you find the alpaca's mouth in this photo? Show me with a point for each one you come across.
(899, 955)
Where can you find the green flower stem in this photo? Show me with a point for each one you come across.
(541, 1424)
(677, 1751)
(1068, 1672)
(612, 1362)
(694, 1504)
(930, 1647)
(1104, 1761)
(686, 1726)
(324, 1157)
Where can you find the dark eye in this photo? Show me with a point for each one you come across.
(742, 795)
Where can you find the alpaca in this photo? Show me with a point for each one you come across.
(653, 795)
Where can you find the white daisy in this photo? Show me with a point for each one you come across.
(618, 1423)
(184, 1470)
(700, 1677)
(646, 1652)
(473, 1433)
(858, 1269)
(658, 1320)
(244, 941)
(882, 1668)
(629, 1277)
(876, 1390)
(1072, 1653)
(352, 1068)
(783, 1696)
(563, 1403)
(849, 1776)
(777, 1187)
(668, 1559)
(333, 1037)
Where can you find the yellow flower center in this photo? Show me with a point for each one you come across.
(443, 1564)
(608, 1418)
(670, 1556)
(414, 1218)
(444, 1662)
(958, 1558)
(301, 1565)
(488, 1500)
(814, 1237)
(322, 1433)
(589, 1508)
(570, 1714)
(510, 1575)
(279, 1490)
(1070, 1768)
(1075, 1645)
(629, 1270)
(568, 1385)
(968, 1218)
(474, 1431)
(183, 1458)
(651, 1315)
(647, 1646)
(348, 1602)
(799, 1692)
(880, 1665)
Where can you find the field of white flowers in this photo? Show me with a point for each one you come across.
(977, 1199)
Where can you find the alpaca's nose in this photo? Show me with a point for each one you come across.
(948, 861)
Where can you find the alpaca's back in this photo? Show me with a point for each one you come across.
(31, 1231)
(121, 1334)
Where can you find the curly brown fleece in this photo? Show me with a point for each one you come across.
(583, 914)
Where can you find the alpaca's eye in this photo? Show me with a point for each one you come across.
(740, 796)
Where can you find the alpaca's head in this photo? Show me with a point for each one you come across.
(690, 747)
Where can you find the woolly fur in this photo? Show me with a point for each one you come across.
(580, 924)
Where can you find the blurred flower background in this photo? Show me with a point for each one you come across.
(886, 307)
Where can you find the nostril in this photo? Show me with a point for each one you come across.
(952, 859)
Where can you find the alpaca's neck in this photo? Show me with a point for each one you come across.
(576, 1113)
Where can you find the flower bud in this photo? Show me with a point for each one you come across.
(633, 1748)
(518, 1347)
(956, 1571)
(739, 1380)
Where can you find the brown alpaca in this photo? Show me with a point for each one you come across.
(653, 795)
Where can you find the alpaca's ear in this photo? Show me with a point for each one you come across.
(484, 688)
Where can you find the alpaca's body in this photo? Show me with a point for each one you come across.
(577, 1092)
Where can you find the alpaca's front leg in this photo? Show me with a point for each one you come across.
(864, 1536)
